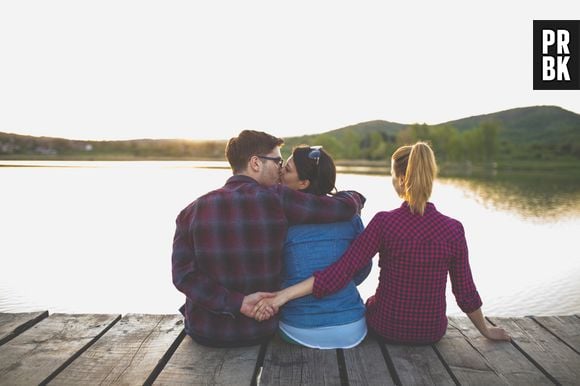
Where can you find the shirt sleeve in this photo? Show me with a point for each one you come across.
(359, 254)
(196, 285)
(364, 272)
(462, 283)
(305, 208)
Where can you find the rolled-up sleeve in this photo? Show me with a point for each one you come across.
(462, 284)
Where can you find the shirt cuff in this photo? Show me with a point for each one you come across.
(470, 303)
(318, 289)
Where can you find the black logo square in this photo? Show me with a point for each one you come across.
(556, 55)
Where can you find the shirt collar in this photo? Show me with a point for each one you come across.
(240, 178)
(429, 207)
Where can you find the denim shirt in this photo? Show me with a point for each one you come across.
(313, 247)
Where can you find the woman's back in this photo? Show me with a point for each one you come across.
(416, 252)
(311, 248)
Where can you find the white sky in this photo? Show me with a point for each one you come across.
(187, 69)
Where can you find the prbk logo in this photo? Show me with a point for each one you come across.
(556, 54)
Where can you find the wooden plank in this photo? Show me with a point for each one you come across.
(13, 324)
(465, 362)
(365, 364)
(557, 359)
(566, 328)
(127, 354)
(503, 357)
(43, 350)
(290, 364)
(418, 365)
(193, 364)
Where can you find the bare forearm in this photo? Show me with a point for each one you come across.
(490, 332)
(478, 321)
(266, 308)
(297, 290)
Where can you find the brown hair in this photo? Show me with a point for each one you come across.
(322, 177)
(418, 167)
(240, 149)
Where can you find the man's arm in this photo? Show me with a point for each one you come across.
(305, 208)
(196, 285)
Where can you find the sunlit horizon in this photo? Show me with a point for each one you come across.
(204, 70)
(209, 137)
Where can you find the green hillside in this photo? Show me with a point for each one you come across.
(528, 133)
(547, 124)
(539, 133)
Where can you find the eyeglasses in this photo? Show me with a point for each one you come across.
(278, 160)
(315, 153)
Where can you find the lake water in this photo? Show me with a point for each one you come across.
(95, 237)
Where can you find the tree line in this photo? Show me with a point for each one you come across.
(479, 144)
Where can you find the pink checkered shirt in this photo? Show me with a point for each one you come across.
(415, 254)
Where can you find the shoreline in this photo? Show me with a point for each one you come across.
(450, 169)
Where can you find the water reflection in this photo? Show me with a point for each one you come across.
(536, 196)
(96, 236)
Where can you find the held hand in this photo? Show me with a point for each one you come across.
(497, 333)
(268, 307)
(265, 309)
(250, 301)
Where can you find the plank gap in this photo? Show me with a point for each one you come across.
(453, 377)
(163, 361)
(80, 352)
(477, 350)
(259, 364)
(390, 363)
(20, 329)
(528, 357)
(554, 334)
(342, 367)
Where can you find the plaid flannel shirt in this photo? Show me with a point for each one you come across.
(415, 254)
(229, 242)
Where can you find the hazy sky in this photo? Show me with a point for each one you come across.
(187, 69)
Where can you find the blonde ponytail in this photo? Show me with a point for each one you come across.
(418, 166)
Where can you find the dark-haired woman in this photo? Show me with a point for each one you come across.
(418, 246)
(337, 321)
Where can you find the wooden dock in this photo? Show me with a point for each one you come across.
(63, 349)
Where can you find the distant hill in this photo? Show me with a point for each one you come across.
(547, 124)
(527, 133)
(538, 133)
(385, 127)
(525, 124)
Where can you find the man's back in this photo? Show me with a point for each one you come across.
(236, 233)
(228, 243)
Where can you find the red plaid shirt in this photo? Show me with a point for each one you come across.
(415, 254)
(228, 243)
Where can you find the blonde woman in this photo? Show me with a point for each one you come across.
(417, 247)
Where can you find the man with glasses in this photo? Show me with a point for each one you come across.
(228, 243)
